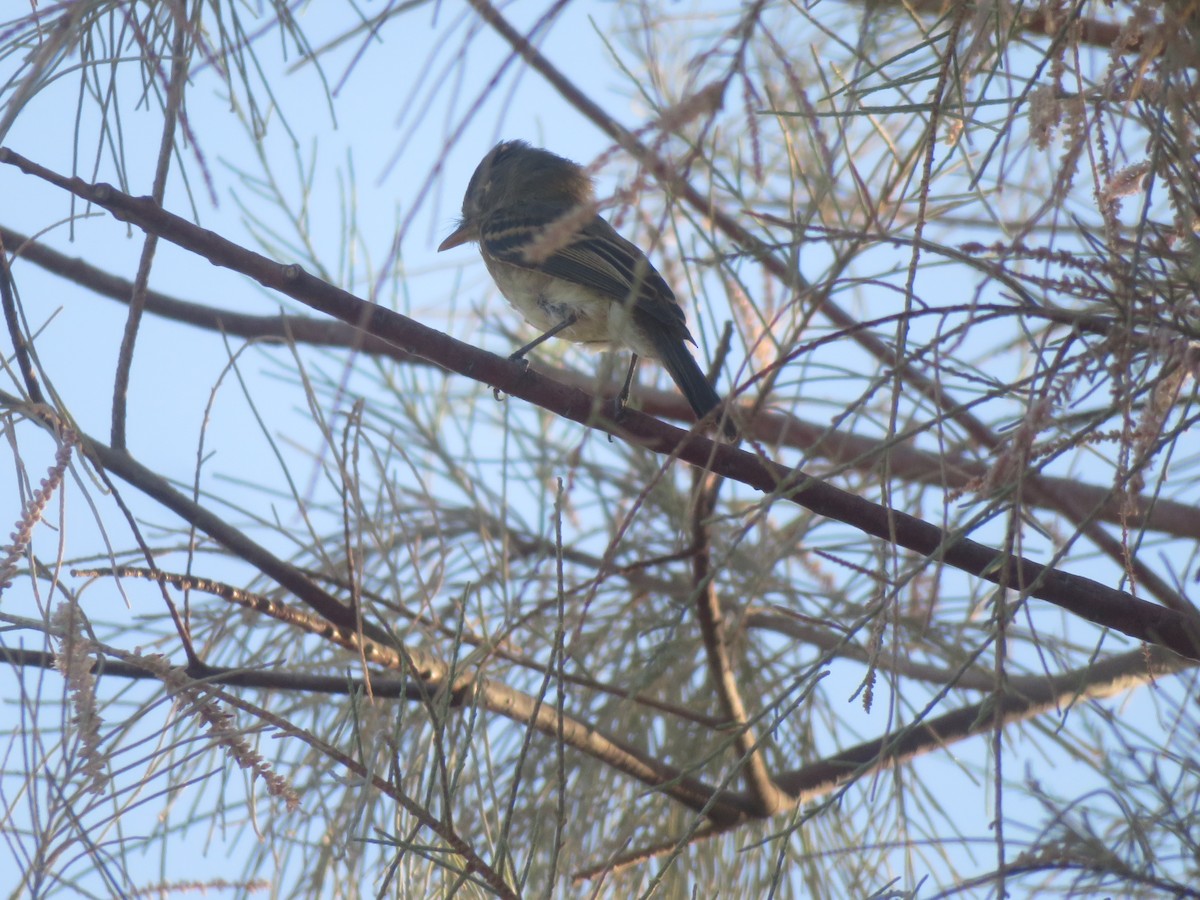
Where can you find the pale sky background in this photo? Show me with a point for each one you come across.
(379, 131)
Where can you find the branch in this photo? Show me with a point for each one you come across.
(1086, 598)
(782, 267)
(433, 676)
(840, 447)
(769, 798)
(1023, 699)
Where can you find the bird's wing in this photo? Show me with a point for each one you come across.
(595, 256)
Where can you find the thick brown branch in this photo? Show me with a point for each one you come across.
(840, 447)
(781, 266)
(1084, 597)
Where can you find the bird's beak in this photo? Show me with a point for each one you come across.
(462, 234)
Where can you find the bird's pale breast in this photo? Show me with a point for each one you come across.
(545, 301)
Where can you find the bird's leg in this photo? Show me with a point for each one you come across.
(561, 326)
(519, 354)
(623, 397)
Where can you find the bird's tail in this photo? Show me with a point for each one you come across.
(685, 372)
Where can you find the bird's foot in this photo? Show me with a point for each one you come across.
(518, 356)
(619, 407)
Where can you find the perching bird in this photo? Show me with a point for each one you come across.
(568, 272)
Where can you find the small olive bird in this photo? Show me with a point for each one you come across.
(568, 272)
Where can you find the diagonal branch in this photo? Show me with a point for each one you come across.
(1086, 598)
(785, 271)
(840, 447)
(431, 675)
(1021, 701)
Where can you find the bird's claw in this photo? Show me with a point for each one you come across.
(518, 357)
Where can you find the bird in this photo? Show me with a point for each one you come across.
(568, 271)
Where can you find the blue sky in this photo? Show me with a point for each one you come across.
(358, 146)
